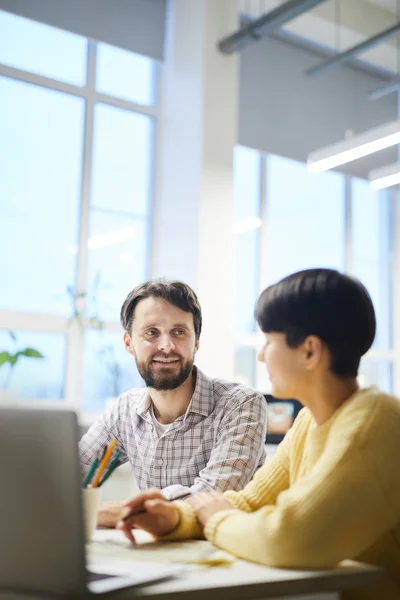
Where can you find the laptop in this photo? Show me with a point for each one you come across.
(41, 513)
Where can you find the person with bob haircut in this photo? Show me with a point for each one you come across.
(332, 490)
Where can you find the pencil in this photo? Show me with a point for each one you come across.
(103, 463)
(111, 468)
(91, 472)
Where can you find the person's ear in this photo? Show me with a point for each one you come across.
(128, 344)
(196, 345)
(313, 349)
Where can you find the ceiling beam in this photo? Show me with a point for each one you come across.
(352, 52)
(266, 24)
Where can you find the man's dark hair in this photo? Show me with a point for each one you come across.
(175, 292)
(325, 303)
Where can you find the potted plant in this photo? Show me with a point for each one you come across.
(6, 358)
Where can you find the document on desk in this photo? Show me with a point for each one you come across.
(112, 544)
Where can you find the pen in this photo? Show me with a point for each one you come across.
(135, 513)
(111, 468)
(142, 511)
(104, 463)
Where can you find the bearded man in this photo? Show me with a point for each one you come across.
(184, 432)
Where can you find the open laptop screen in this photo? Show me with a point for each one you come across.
(42, 544)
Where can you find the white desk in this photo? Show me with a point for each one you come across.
(247, 581)
(241, 580)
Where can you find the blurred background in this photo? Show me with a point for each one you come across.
(141, 139)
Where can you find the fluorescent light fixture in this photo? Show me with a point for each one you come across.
(385, 176)
(108, 238)
(355, 147)
(246, 225)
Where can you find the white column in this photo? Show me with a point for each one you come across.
(192, 234)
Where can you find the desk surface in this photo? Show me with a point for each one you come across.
(246, 581)
(239, 580)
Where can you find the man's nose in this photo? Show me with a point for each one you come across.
(166, 343)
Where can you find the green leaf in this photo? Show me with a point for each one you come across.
(5, 357)
(31, 352)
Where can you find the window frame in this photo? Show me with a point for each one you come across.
(390, 355)
(27, 321)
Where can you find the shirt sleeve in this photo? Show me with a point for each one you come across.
(99, 436)
(336, 511)
(237, 452)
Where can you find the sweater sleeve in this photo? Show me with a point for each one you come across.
(271, 479)
(346, 501)
(268, 482)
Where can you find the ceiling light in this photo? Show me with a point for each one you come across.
(108, 238)
(385, 176)
(355, 147)
(246, 225)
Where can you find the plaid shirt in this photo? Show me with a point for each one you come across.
(217, 444)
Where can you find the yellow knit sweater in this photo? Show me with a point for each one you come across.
(331, 492)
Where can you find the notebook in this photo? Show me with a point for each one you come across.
(41, 520)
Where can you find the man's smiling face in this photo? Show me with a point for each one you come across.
(163, 342)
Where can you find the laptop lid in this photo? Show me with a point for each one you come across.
(42, 539)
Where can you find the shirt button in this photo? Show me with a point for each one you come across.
(160, 461)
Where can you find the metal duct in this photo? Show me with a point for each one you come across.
(389, 88)
(351, 52)
(266, 24)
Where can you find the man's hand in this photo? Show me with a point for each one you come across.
(109, 513)
(206, 504)
(159, 516)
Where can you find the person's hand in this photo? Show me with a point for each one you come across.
(206, 504)
(159, 516)
(109, 513)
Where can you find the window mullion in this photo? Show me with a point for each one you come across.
(396, 290)
(75, 346)
(348, 226)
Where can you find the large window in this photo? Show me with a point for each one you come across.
(77, 130)
(308, 220)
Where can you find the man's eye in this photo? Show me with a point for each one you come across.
(151, 333)
(180, 332)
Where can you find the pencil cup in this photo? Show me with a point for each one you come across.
(91, 500)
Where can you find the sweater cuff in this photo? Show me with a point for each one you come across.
(211, 528)
(188, 526)
(237, 501)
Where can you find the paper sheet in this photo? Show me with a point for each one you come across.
(113, 544)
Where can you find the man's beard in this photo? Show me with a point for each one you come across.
(162, 379)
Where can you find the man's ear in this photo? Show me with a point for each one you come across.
(196, 345)
(128, 344)
(313, 349)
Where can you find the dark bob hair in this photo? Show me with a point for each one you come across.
(175, 292)
(325, 303)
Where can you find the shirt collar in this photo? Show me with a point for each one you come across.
(202, 401)
(144, 403)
